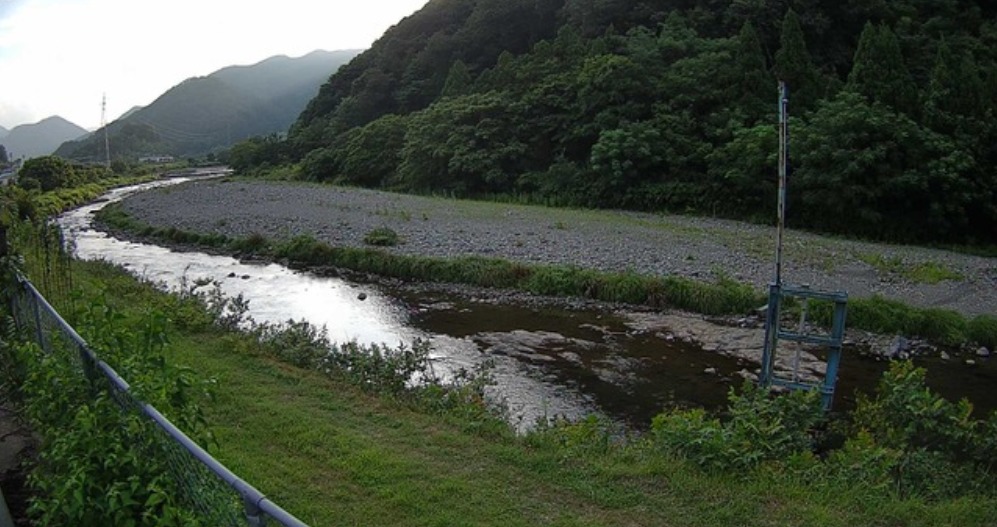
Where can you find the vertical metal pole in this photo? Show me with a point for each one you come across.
(783, 168)
(254, 516)
(39, 331)
(3, 241)
(771, 335)
(775, 290)
(834, 353)
(103, 124)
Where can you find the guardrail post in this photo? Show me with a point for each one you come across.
(39, 333)
(254, 516)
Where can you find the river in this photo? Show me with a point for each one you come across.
(547, 361)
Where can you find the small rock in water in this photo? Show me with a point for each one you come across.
(362, 296)
(945, 356)
(747, 375)
(983, 352)
(245, 277)
(710, 371)
(898, 347)
(232, 274)
(970, 362)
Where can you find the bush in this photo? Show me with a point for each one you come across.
(382, 237)
(101, 463)
(299, 343)
(255, 243)
(380, 368)
(937, 450)
(760, 428)
(592, 436)
(983, 331)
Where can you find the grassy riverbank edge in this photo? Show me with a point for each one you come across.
(335, 454)
(724, 297)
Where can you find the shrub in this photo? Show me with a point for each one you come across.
(254, 243)
(759, 428)
(592, 436)
(983, 330)
(377, 367)
(299, 343)
(101, 463)
(937, 448)
(382, 237)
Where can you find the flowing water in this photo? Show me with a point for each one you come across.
(547, 361)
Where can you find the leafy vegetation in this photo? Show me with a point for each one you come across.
(99, 460)
(725, 296)
(671, 106)
(382, 237)
(359, 443)
(924, 272)
(904, 440)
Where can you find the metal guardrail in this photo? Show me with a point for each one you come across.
(209, 487)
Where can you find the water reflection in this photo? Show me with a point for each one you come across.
(547, 362)
(348, 311)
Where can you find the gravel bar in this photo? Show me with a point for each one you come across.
(702, 248)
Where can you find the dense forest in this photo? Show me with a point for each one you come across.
(671, 105)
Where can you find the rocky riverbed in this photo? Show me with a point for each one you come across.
(703, 248)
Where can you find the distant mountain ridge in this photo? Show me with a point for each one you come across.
(3, 132)
(41, 138)
(206, 114)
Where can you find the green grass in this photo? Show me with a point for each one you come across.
(334, 455)
(919, 273)
(723, 297)
(720, 298)
(885, 316)
(382, 237)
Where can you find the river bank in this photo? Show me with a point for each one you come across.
(615, 241)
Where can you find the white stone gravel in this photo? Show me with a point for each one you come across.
(704, 248)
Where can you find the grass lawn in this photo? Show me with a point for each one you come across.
(333, 454)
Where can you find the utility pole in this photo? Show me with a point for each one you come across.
(103, 124)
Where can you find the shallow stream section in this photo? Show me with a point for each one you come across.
(547, 361)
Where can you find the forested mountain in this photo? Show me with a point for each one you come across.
(41, 138)
(205, 114)
(671, 105)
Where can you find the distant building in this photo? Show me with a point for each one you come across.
(156, 159)
(6, 176)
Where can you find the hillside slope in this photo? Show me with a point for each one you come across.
(41, 138)
(205, 114)
(670, 105)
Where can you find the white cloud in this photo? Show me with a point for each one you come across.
(60, 56)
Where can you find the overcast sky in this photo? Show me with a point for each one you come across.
(58, 57)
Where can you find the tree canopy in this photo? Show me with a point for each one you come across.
(670, 105)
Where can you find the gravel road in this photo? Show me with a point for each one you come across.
(703, 248)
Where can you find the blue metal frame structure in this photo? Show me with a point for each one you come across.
(779, 292)
(832, 341)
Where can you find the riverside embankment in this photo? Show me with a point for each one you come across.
(611, 353)
(701, 248)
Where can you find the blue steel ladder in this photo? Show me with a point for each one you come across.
(774, 332)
